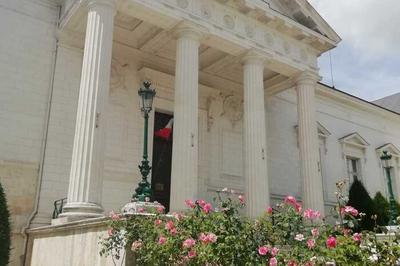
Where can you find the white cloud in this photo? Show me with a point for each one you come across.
(367, 62)
(370, 26)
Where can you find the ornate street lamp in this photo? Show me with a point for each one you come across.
(386, 162)
(143, 191)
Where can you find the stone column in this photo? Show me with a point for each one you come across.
(308, 141)
(254, 136)
(86, 176)
(184, 173)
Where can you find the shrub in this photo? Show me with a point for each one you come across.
(218, 235)
(5, 239)
(359, 198)
(382, 209)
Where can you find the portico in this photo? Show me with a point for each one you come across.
(208, 49)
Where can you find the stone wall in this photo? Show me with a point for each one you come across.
(26, 63)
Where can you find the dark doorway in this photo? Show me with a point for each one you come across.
(162, 156)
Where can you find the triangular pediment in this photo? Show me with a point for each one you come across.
(304, 13)
(354, 139)
(322, 131)
(300, 11)
(389, 147)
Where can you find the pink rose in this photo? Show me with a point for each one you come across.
(191, 254)
(140, 209)
(212, 238)
(310, 243)
(273, 262)
(292, 263)
(349, 210)
(173, 231)
(311, 214)
(201, 202)
(203, 238)
(274, 251)
(263, 250)
(136, 245)
(331, 242)
(290, 200)
(157, 222)
(241, 199)
(208, 238)
(207, 207)
(177, 216)
(162, 240)
(314, 232)
(357, 237)
(114, 216)
(160, 209)
(169, 225)
(190, 204)
(269, 210)
(188, 243)
(110, 232)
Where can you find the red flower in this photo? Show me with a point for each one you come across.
(207, 207)
(331, 242)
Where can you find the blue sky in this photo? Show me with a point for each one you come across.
(367, 61)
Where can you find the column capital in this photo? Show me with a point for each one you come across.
(95, 3)
(190, 31)
(254, 57)
(307, 77)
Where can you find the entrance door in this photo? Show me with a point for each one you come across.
(162, 157)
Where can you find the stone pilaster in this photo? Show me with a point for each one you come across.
(184, 173)
(308, 141)
(86, 177)
(254, 136)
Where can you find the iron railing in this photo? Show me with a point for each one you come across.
(58, 207)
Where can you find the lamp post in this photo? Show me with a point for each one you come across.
(386, 158)
(143, 191)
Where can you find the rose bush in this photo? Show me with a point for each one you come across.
(219, 235)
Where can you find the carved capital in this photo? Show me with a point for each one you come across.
(254, 57)
(92, 4)
(187, 30)
(307, 78)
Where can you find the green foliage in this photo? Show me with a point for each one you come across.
(283, 235)
(382, 209)
(359, 198)
(5, 240)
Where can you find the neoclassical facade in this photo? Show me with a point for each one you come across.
(239, 77)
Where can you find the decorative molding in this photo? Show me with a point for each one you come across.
(232, 108)
(117, 79)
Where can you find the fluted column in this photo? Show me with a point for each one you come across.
(184, 173)
(308, 141)
(254, 136)
(86, 176)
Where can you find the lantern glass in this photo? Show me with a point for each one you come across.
(386, 159)
(146, 96)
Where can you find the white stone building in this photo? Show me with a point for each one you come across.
(240, 78)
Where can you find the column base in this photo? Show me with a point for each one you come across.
(81, 210)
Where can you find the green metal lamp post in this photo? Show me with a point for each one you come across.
(143, 191)
(386, 158)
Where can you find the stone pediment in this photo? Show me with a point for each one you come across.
(389, 147)
(300, 11)
(354, 139)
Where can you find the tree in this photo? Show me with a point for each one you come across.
(359, 198)
(5, 239)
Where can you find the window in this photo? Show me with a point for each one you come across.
(353, 169)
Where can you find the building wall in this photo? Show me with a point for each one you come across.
(26, 63)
